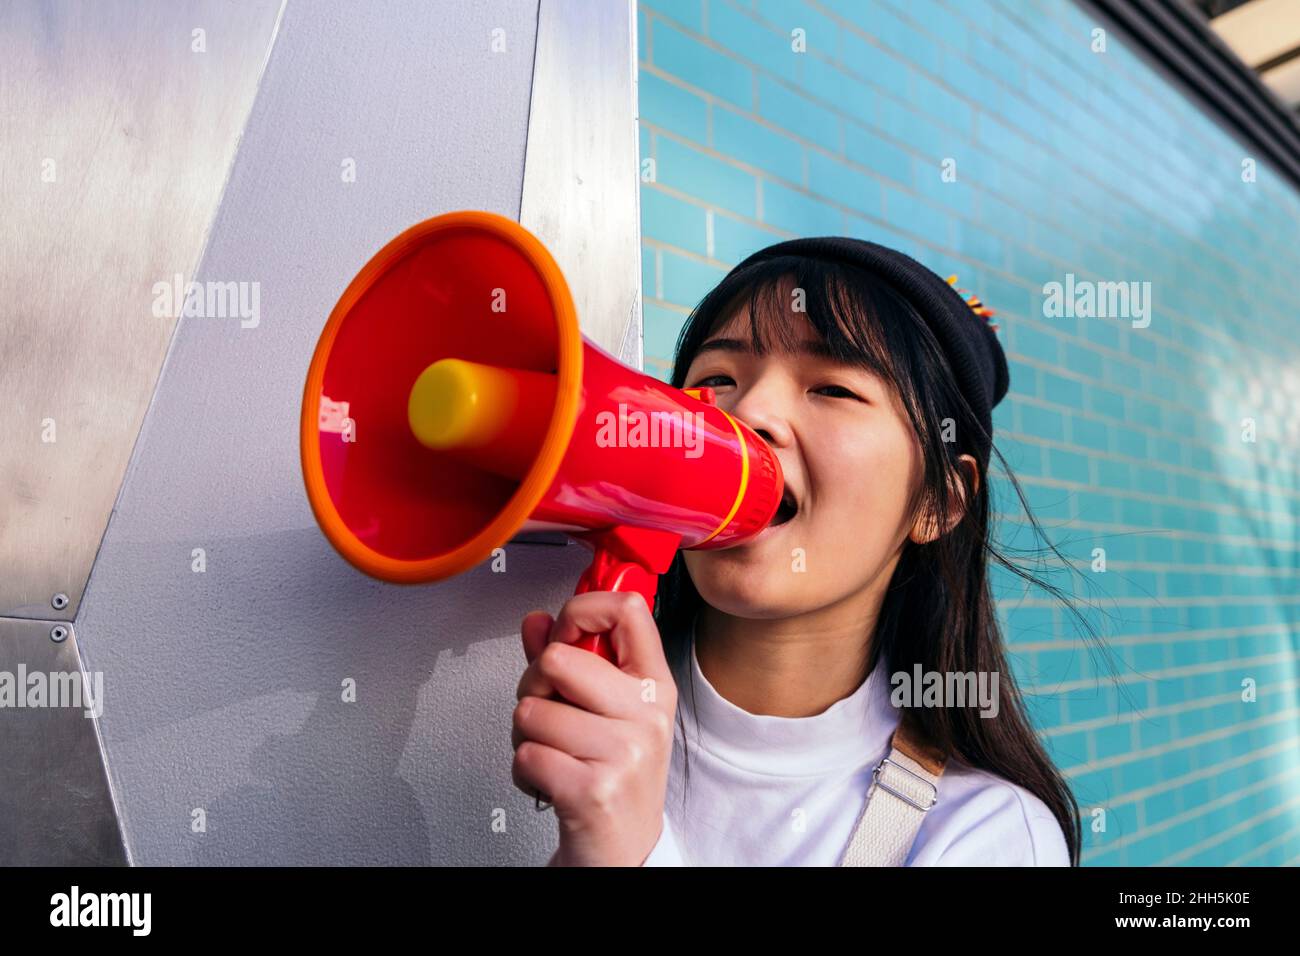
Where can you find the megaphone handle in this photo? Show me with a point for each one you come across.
(626, 559)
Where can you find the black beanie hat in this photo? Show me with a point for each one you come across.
(967, 339)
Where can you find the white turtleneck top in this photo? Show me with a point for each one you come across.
(787, 791)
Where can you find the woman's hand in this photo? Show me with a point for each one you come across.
(602, 753)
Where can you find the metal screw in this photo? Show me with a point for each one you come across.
(59, 601)
(59, 633)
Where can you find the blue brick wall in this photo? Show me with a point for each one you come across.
(1126, 439)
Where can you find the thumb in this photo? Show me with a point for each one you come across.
(626, 617)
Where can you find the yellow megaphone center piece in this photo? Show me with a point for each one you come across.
(491, 416)
(458, 404)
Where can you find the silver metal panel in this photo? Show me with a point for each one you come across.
(118, 124)
(581, 187)
(55, 805)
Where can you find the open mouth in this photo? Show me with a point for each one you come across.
(788, 508)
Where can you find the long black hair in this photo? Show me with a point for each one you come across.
(938, 611)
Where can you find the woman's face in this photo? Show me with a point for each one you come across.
(850, 459)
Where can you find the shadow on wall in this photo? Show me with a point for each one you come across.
(259, 758)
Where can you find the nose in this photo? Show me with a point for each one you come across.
(761, 407)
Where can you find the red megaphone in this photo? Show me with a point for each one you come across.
(452, 402)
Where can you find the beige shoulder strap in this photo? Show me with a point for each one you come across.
(904, 786)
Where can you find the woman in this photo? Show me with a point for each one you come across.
(787, 663)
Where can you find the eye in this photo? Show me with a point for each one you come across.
(708, 382)
(839, 391)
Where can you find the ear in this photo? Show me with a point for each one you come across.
(926, 528)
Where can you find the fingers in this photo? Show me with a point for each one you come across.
(564, 727)
(534, 630)
(538, 767)
(581, 678)
(626, 617)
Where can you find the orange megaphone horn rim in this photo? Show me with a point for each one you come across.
(532, 486)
